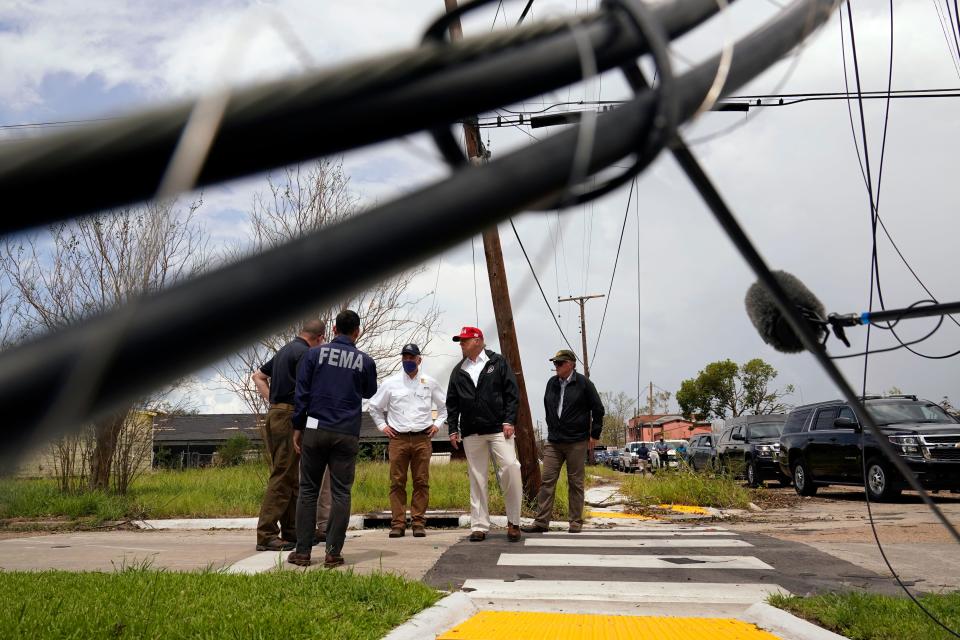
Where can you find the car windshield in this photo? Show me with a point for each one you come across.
(908, 411)
(765, 430)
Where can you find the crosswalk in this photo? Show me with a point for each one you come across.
(679, 564)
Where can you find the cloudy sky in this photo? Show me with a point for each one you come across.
(791, 175)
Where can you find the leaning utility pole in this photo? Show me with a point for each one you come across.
(503, 311)
(583, 326)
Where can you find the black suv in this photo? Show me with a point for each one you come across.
(748, 447)
(824, 444)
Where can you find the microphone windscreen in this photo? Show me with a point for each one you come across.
(771, 323)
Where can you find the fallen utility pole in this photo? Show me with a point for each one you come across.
(583, 325)
(502, 310)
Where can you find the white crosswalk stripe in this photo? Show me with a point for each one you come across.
(629, 543)
(630, 561)
(620, 591)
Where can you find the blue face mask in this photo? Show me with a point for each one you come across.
(409, 366)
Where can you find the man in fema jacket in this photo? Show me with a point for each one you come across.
(332, 381)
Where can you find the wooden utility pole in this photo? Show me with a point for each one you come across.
(651, 408)
(503, 311)
(583, 325)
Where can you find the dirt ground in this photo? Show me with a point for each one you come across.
(836, 521)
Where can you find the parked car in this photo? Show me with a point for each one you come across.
(700, 451)
(824, 443)
(612, 459)
(629, 460)
(747, 448)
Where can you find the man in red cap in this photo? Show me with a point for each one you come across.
(482, 400)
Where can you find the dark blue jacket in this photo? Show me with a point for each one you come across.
(332, 381)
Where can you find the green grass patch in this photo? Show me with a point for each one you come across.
(141, 603)
(603, 472)
(862, 616)
(686, 487)
(237, 492)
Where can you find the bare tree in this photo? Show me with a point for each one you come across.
(93, 264)
(618, 408)
(301, 200)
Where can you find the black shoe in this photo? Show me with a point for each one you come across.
(397, 532)
(478, 536)
(331, 561)
(533, 528)
(299, 559)
(276, 545)
(319, 536)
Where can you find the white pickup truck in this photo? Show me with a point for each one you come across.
(629, 461)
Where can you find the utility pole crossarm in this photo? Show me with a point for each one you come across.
(581, 300)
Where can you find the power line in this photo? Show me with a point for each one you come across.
(537, 280)
(606, 304)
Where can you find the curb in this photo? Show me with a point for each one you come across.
(204, 524)
(786, 625)
(445, 614)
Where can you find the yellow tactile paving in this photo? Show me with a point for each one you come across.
(683, 508)
(617, 514)
(504, 625)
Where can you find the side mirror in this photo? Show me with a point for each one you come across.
(738, 436)
(846, 423)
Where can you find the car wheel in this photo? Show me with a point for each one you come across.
(802, 482)
(879, 485)
(753, 474)
(693, 464)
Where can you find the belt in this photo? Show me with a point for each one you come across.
(415, 433)
(282, 405)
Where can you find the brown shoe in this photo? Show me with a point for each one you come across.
(276, 545)
(299, 559)
(419, 532)
(478, 536)
(331, 561)
(319, 536)
(513, 532)
(533, 528)
(575, 527)
(397, 532)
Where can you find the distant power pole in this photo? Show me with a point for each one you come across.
(503, 312)
(583, 325)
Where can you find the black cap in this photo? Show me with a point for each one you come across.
(410, 350)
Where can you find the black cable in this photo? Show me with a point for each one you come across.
(109, 164)
(889, 349)
(185, 322)
(606, 305)
(533, 272)
(875, 280)
(526, 10)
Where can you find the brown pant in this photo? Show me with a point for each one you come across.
(280, 499)
(554, 455)
(411, 451)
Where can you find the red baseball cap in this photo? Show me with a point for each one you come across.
(468, 332)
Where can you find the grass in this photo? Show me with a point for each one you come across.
(686, 488)
(236, 492)
(142, 603)
(861, 616)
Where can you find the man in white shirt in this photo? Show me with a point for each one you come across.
(402, 408)
(482, 401)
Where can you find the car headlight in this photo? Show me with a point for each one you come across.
(764, 449)
(909, 445)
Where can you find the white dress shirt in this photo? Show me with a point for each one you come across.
(563, 387)
(406, 403)
(475, 367)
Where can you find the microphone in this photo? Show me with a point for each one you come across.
(770, 322)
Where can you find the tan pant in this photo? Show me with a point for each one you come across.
(280, 499)
(555, 454)
(478, 449)
(409, 451)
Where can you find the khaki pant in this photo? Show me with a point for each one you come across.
(280, 499)
(555, 454)
(478, 449)
(409, 451)
(323, 503)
